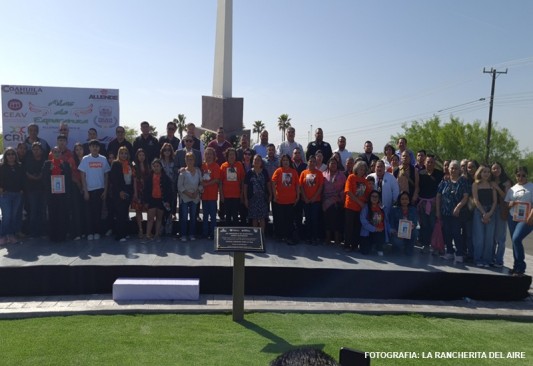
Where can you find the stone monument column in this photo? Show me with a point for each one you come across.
(221, 109)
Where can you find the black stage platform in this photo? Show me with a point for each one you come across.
(39, 267)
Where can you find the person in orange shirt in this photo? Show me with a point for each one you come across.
(285, 188)
(357, 190)
(231, 180)
(210, 182)
(158, 191)
(311, 186)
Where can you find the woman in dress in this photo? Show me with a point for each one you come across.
(210, 183)
(257, 193)
(189, 189)
(57, 195)
(141, 172)
(167, 160)
(285, 196)
(11, 185)
(452, 196)
(158, 193)
(231, 179)
(247, 163)
(121, 178)
(35, 194)
(485, 201)
(502, 183)
(521, 192)
(332, 201)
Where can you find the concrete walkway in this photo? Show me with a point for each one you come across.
(11, 308)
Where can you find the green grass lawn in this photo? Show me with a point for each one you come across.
(197, 339)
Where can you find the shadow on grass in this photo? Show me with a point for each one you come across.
(278, 345)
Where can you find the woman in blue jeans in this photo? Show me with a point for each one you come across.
(11, 183)
(189, 189)
(452, 196)
(521, 192)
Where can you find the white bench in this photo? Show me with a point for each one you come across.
(156, 289)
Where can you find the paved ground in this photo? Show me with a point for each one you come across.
(82, 253)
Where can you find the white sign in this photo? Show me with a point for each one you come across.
(48, 107)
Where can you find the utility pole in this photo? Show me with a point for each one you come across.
(489, 127)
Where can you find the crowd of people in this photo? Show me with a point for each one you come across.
(365, 203)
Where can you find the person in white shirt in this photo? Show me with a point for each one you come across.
(287, 147)
(341, 149)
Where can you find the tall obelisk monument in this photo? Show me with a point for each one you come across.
(221, 109)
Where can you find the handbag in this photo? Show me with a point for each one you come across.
(437, 239)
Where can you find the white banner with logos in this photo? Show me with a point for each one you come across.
(48, 107)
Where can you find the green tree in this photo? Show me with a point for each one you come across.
(284, 122)
(207, 137)
(180, 122)
(458, 140)
(2, 142)
(131, 133)
(258, 127)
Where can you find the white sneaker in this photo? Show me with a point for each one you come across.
(447, 256)
(192, 238)
(380, 254)
(109, 232)
(96, 236)
(184, 239)
(123, 239)
(90, 237)
(458, 259)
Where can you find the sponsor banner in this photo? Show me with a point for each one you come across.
(48, 107)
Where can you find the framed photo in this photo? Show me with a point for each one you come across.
(57, 184)
(404, 229)
(521, 211)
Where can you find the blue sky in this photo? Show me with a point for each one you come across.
(354, 68)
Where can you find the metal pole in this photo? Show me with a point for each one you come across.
(238, 286)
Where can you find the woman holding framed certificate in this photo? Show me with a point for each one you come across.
(57, 179)
(520, 198)
(403, 222)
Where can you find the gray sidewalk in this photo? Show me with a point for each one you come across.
(28, 307)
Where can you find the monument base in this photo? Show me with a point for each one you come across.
(225, 112)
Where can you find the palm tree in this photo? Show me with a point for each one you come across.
(180, 123)
(258, 127)
(283, 124)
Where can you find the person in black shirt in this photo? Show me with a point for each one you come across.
(319, 144)
(428, 182)
(147, 142)
(169, 137)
